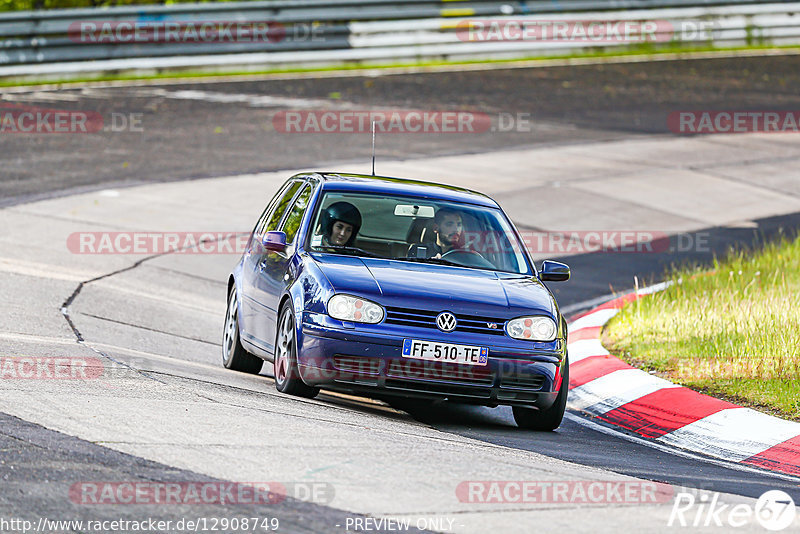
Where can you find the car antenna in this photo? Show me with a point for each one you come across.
(373, 148)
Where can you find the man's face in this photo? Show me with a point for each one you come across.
(450, 230)
(340, 233)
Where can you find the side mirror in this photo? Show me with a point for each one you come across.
(274, 241)
(553, 271)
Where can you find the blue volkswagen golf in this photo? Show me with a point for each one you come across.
(388, 287)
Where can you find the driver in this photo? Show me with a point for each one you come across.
(340, 223)
(448, 227)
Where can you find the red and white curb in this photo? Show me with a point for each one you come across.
(605, 387)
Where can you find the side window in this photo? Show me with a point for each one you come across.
(292, 223)
(262, 220)
(280, 208)
(267, 213)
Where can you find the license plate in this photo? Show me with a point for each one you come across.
(445, 352)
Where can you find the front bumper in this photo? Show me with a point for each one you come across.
(368, 360)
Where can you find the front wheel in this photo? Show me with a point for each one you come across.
(287, 372)
(549, 419)
(234, 355)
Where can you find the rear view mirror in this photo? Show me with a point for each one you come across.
(553, 271)
(274, 241)
(407, 210)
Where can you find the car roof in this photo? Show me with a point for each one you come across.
(364, 183)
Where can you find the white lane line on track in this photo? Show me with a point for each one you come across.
(595, 319)
(29, 338)
(585, 348)
(673, 450)
(615, 389)
(256, 101)
(43, 270)
(721, 434)
(42, 96)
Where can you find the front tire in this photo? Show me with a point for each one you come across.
(549, 419)
(234, 355)
(286, 370)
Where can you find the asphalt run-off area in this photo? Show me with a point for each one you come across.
(123, 210)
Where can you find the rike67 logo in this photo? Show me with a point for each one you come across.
(774, 510)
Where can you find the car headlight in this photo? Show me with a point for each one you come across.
(537, 328)
(358, 310)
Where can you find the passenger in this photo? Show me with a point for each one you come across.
(340, 223)
(448, 227)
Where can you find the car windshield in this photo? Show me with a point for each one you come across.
(416, 230)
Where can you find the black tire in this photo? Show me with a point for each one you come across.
(286, 371)
(549, 419)
(234, 355)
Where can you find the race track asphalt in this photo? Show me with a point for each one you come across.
(210, 132)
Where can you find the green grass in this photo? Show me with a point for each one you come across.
(645, 51)
(732, 331)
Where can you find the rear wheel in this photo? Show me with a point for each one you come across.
(549, 419)
(234, 356)
(287, 372)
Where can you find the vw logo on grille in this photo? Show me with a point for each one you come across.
(446, 322)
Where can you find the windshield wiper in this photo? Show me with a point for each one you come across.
(343, 248)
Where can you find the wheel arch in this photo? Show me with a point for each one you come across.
(295, 296)
(231, 283)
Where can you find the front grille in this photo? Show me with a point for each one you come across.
(357, 364)
(427, 319)
(438, 389)
(419, 370)
(522, 381)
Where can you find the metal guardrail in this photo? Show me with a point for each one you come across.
(331, 31)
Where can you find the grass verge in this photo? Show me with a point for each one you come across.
(732, 331)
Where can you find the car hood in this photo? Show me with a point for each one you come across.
(436, 287)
